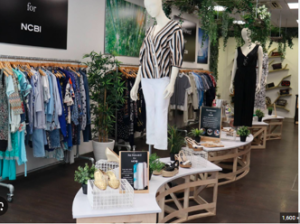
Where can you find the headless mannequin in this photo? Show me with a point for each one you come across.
(155, 10)
(246, 49)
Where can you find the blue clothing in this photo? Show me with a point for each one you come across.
(62, 117)
(50, 104)
(38, 142)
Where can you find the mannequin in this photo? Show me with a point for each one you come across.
(244, 76)
(160, 39)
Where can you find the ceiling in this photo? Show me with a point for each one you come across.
(288, 16)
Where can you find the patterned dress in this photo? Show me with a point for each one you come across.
(260, 96)
(3, 114)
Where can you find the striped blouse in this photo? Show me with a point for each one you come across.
(161, 52)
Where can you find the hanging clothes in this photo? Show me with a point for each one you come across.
(260, 96)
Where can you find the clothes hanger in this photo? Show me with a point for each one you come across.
(2, 68)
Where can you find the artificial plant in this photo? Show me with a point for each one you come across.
(243, 131)
(106, 92)
(259, 113)
(175, 140)
(83, 174)
(155, 164)
(196, 132)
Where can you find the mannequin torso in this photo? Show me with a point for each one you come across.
(246, 49)
(155, 10)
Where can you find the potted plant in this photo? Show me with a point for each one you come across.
(196, 134)
(155, 165)
(106, 96)
(83, 174)
(175, 141)
(243, 132)
(259, 114)
(270, 110)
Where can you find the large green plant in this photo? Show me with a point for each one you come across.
(155, 164)
(175, 140)
(106, 92)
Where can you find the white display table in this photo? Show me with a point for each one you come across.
(274, 122)
(259, 132)
(234, 157)
(146, 206)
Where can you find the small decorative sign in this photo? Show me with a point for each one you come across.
(210, 123)
(134, 167)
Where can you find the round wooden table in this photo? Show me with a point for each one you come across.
(233, 158)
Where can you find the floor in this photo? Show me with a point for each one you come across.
(271, 187)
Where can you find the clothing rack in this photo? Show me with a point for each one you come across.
(10, 186)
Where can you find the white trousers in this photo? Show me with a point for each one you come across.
(156, 111)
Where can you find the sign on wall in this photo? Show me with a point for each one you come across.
(203, 46)
(189, 33)
(40, 23)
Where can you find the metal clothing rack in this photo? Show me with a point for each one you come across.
(10, 186)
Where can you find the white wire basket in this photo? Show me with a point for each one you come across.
(110, 198)
(198, 158)
(104, 165)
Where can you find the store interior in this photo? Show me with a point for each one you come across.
(219, 178)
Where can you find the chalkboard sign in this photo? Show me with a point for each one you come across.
(210, 123)
(134, 167)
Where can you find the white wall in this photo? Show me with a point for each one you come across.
(86, 30)
(225, 68)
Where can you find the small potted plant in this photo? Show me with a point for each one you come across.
(83, 174)
(175, 141)
(243, 132)
(155, 165)
(270, 110)
(196, 134)
(259, 114)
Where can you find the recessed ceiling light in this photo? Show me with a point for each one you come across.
(240, 22)
(293, 5)
(219, 8)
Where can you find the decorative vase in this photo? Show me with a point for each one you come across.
(243, 138)
(84, 188)
(270, 112)
(172, 156)
(198, 139)
(260, 119)
(150, 174)
(99, 148)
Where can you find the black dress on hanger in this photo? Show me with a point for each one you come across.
(244, 87)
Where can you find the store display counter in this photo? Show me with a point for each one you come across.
(274, 124)
(259, 132)
(147, 206)
(233, 158)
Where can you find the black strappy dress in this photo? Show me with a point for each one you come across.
(244, 87)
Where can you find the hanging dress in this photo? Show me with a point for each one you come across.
(260, 96)
(244, 87)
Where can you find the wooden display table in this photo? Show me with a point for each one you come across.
(259, 132)
(234, 158)
(146, 206)
(274, 123)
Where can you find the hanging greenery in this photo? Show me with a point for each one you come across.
(214, 59)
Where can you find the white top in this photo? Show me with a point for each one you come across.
(229, 143)
(143, 203)
(272, 117)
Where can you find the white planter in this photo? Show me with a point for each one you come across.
(99, 148)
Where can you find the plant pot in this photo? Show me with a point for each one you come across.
(99, 148)
(260, 119)
(243, 138)
(172, 156)
(150, 174)
(198, 139)
(270, 112)
(84, 188)
(155, 172)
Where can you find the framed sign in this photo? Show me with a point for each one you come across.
(189, 33)
(42, 23)
(134, 167)
(202, 51)
(210, 122)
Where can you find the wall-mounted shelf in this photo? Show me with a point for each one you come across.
(270, 54)
(279, 86)
(277, 70)
(274, 56)
(284, 95)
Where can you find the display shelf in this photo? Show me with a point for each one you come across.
(278, 85)
(284, 95)
(270, 54)
(283, 69)
(274, 56)
(284, 108)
